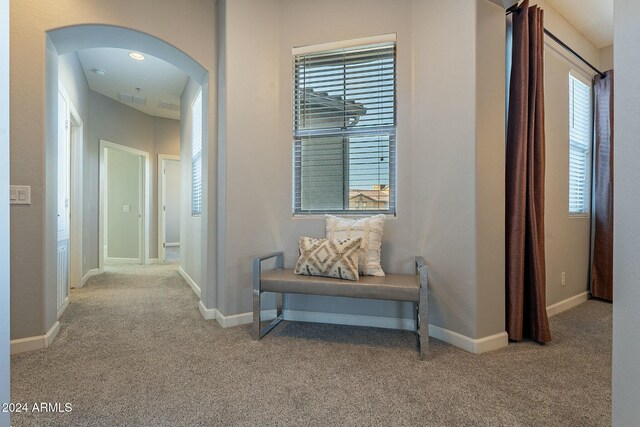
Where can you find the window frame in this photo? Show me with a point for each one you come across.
(586, 211)
(390, 130)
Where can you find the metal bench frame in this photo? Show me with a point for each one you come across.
(421, 313)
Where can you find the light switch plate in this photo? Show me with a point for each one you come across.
(126, 208)
(20, 195)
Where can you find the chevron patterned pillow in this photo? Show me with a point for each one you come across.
(336, 258)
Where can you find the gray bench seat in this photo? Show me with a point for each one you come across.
(392, 287)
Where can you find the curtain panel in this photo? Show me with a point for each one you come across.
(602, 264)
(526, 313)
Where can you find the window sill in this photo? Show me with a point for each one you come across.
(580, 215)
(342, 215)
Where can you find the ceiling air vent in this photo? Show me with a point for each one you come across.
(139, 100)
(131, 99)
(125, 97)
(168, 106)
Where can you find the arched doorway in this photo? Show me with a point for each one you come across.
(81, 37)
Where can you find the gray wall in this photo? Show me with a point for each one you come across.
(166, 136)
(626, 269)
(4, 209)
(567, 237)
(605, 56)
(72, 78)
(123, 177)
(190, 226)
(559, 25)
(437, 145)
(115, 122)
(33, 154)
(490, 166)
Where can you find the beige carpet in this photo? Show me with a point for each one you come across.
(133, 350)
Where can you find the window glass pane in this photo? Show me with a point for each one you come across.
(344, 130)
(579, 145)
(196, 156)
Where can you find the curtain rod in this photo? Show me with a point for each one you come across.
(553, 37)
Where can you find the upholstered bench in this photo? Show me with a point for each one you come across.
(394, 287)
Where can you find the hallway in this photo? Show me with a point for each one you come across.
(133, 349)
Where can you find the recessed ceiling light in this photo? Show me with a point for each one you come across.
(99, 72)
(137, 56)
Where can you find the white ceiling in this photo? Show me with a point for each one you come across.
(158, 80)
(593, 18)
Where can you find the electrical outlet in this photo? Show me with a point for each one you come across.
(563, 278)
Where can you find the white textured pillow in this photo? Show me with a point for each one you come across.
(370, 229)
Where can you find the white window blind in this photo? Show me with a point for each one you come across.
(345, 130)
(196, 156)
(580, 131)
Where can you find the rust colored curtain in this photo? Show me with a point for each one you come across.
(526, 315)
(602, 264)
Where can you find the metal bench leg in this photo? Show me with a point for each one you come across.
(423, 314)
(258, 331)
(423, 331)
(256, 314)
(279, 309)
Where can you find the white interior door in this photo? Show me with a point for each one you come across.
(124, 206)
(64, 162)
(170, 209)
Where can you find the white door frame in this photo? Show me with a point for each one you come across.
(63, 226)
(146, 208)
(77, 189)
(161, 212)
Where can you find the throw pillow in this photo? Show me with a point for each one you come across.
(370, 230)
(329, 258)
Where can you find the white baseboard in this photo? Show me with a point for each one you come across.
(472, 345)
(153, 260)
(51, 334)
(38, 342)
(568, 303)
(491, 343)
(190, 281)
(234, 320)
(207, 313)
(171, 245)
(65, 304)
(242, 318)
(350, 319)
(121, 261)
(92, 272)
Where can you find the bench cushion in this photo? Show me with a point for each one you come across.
(396, 287)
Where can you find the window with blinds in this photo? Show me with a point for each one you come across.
(196, 156)
(344, 130)
(580, 131)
